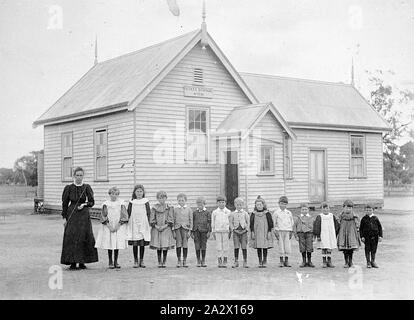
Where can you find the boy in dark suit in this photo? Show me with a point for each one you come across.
(371, 232)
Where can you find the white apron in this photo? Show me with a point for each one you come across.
(112, 240)
(138, 227)
(328, 236)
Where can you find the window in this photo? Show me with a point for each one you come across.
(67, 144)
(197, 134)
(101, 154)
(198, 76)
(357, 166)
(266, 160)
(287, 156)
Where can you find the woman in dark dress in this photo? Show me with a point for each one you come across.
(78, 240)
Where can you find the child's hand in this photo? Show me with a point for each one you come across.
(290, 235)
(229, 234)
(269, 235)
(276, 235)
(363, 240)
(318, 238)
(192, 235)
(296, 237)
(208, 235)
(380, 239)
(214, 236)
(252, 235)
(174, 234)
(188, 234)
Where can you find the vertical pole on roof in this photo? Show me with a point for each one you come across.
(96, 51)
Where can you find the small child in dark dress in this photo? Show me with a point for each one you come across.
(371, 232)
(348, 236)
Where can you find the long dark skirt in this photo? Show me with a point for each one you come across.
(78, 240)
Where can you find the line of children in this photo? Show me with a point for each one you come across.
(164, 227)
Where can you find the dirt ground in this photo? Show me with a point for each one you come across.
(30, 247)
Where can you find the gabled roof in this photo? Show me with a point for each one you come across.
(123, 82)
(242, 120)
(312, 103)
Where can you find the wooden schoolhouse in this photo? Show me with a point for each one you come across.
(178, 117)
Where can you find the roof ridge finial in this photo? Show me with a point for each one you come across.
(96, 50)
(204, 37)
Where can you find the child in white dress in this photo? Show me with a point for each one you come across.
(112, 231)
(325, 229)
(138, 229)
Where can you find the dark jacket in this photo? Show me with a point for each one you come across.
(201, 220)
(269, 221)
(370, 227)
(317, 225)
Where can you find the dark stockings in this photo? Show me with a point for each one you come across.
(244, 251)
(236, 254)
(141, 252)
(259, 254)
(178, 250)
(135, 251)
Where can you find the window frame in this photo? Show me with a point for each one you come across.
(63, 156)
(188, 133)
(287, 142)
(271, 172)
(364, 157)
(95, 156)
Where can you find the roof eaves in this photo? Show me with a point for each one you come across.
(335, 127)
(84, 114)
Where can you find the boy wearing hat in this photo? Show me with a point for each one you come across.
(348, 236)
(303, 231)
(220, 227)
(371, 232)
(283, 230)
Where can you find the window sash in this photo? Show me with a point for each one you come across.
(357, 155)
(67, 165)
(101, 152)
(197, 142)
(266, 159)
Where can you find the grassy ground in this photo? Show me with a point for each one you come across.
(31, 245)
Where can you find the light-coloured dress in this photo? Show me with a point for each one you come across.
(328, 235)
(138, 225)
(115, 212)
(160, 216)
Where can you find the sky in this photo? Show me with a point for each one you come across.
(46, 46)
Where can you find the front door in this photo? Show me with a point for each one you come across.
(317, 176)
(231, 174)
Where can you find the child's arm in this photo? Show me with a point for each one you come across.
(104, 215)
(129, 210)
(379, 229)
(148, 208)
(209, 224)
(124, 215)
(295, 228)
(191, 219)
(317, 227)
(153, 220)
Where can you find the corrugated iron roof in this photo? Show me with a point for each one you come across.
(315, 103)
(243, 119)
(116, 81)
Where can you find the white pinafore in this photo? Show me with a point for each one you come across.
(138, 227)
(112, 240)
(328, 236)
